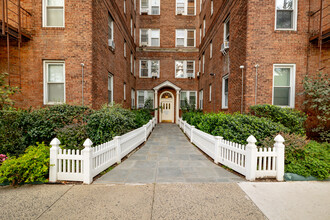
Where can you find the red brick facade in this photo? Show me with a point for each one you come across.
(84, 39)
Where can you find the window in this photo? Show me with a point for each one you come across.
(225, 92)
(200, 34)
(204, 27)
(143, 96)
(53, 13)
(125, 6)
(211, 49)
(132, 27)
(124, 91)
(110, 88)
(150, 37)
(190, 97)
(286, 15)
(150, 7)
(185, 7)
(212, 7)
(125, 48)
(226, 30)
(203, 62)
(149, 68)
(210, 94)
(201, 99)
(132, 65)
(133, 98)
(54, 78)
(199, 65)
(185, 38)
(284, 85)
(184, 69)
(110, 28)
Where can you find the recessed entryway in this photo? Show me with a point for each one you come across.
(167, 107)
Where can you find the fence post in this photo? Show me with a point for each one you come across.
(217, 146)
(87, 153)
(145, 132)
(192, 133)
(53, 160)
(118, 149)
(251, 158)
(280, 150)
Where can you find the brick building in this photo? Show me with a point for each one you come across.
(220, 55)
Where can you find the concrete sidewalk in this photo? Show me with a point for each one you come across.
(293, 200)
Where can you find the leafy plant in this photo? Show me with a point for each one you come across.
(290, 118)
(30, 167)
(72, 136)
(5, 92)
(142, 117)
(317, 92)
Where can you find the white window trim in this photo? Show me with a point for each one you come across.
(210, 93)
(203, 62)
(124, 6)
(204, 27)
(185, 8)
(125, 50)
(212, 7)
(112, 30)
(149, 7)
(295, 17)
(225, 30)
(223, 104)
(188, 97)
(111, 76)
(185, 65)
(292, 83)
(132, 98)
(145, 97)
(44, 15)
(132, 64)
(149, 69)
(45, 92)
(149, 36)
(211, 49)
(185, 37)
(201, 99)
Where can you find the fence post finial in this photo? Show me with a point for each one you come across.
(87, 153)
(55, 143)
(280, 149)
(217, 154)
(251, 158)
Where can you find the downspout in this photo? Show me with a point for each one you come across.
(242, 68)
(256, 89)
(82, 82)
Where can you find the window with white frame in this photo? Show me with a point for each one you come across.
(185, 38)
(132, 29)
(204, 62)
(53, 13)
(212, 9)
(225, 92)
(143, 96)
(150, 37)
(284, 85)
(185, 7)
(110, 88)
(190, 97)
(132, 65)
(226, 31)
(149, 68)
(199, 65)
(286, 15)
(125, 48)
(124, 91)
(125, 6)
(110, 28)
(150, 7)
(210, 93)
(54, 82)
(201, 97)
(211, 49)
(200, 34)
(204, 27)
(184, 69)
(133, 98)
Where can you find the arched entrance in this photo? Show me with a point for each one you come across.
(166, 113)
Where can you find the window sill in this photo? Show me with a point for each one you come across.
(285, 30)
(53, 28)
(224, 108)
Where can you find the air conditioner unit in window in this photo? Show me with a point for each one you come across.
(224, 47)
(111, 44)
(180, 12)
(190, 75)
(198, 74)
(144, 11)
(144, 44)
(154, 75)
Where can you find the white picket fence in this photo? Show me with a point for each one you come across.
(76, 165)
(247, 160)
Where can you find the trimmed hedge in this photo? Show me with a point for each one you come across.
(235, 127)
(290, 118)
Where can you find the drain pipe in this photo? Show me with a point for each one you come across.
(82, 82)
(242, 68)
(256, 89)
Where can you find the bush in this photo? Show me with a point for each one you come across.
(290, 118)
(236, 127)
(109, 122)
(30, 167)
(142, 117)
(72, 136)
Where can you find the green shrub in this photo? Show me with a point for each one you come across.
(72, 136)
(236, 127)
(109, 122)
(142, 117)
(28, 168)
(290, 118)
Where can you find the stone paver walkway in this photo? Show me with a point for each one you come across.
(168, 157)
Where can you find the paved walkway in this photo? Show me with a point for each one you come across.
(168, 157)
